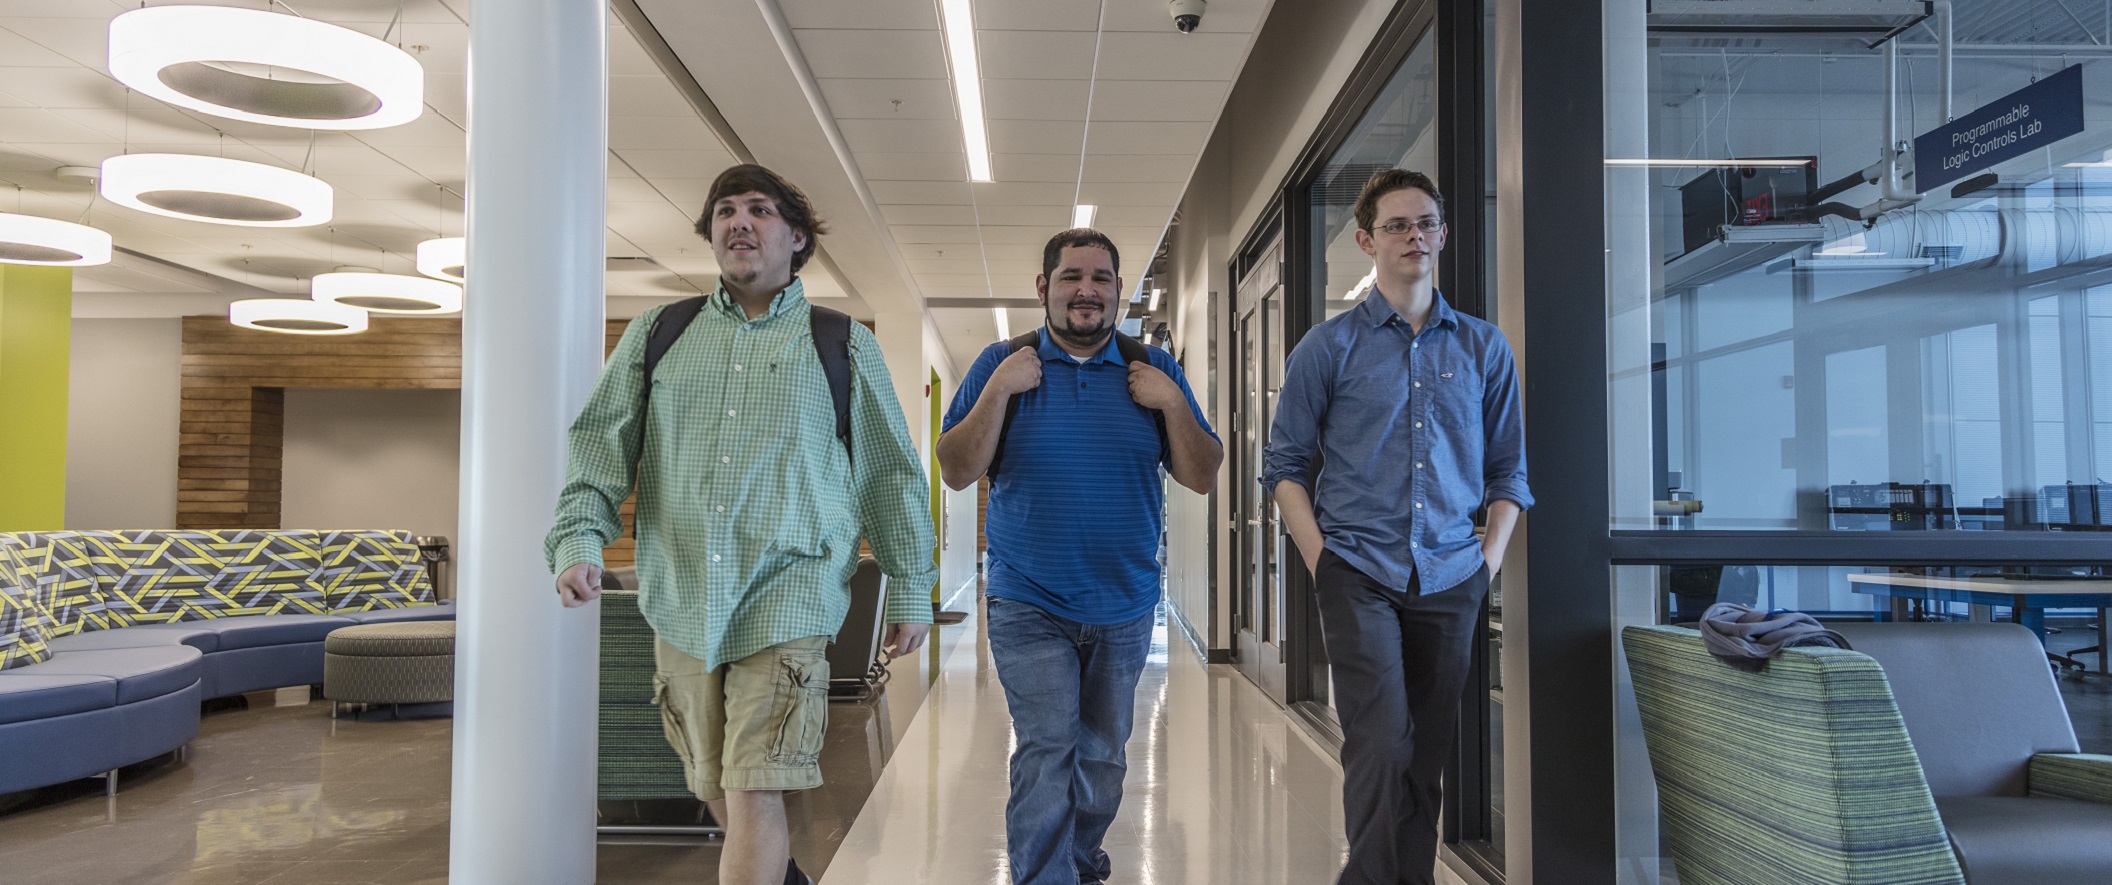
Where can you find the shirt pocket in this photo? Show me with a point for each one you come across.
(1457, 398)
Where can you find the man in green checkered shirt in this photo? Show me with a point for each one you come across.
(749, 515)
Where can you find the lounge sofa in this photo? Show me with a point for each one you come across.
(109, 641)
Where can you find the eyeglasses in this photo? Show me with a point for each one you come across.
(1397, 227)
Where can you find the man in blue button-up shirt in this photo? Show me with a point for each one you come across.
(1075, 517)
(1410, 410)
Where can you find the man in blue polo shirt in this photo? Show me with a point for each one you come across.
(1074, 524)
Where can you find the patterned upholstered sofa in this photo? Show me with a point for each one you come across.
(110, 640)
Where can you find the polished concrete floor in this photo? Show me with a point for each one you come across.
(1223, 788)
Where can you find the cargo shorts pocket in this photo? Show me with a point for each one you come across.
(803, 699)
(671, 719)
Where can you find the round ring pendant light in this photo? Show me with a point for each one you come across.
(294, 316)
(444, 258)
(30, 239)
(387, 293)
(217, 190)
(262, 67)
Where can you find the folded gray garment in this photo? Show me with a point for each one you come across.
(1746, 637)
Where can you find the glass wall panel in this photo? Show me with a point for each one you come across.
(1398, 131)
(1805, 336)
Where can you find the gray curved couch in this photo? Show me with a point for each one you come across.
(109, 641)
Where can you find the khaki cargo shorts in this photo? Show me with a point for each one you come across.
(754, 724)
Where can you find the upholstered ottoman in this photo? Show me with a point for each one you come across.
(405, 662)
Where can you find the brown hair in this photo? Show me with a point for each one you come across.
(791, 202)
(1386, 181)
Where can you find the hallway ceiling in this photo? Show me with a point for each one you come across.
(59, 106)
(877, 141)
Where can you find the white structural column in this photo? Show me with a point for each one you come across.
(532, 344)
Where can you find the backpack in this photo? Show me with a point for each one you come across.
(832, 342)
(1131, 350)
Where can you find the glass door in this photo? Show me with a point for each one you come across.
(1263, 546)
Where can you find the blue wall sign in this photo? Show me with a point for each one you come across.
(2012, 126)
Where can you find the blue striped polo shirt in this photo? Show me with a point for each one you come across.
(1076, 509)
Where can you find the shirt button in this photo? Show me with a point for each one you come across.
(1418, 383)
(714, 557)
(1418, 465)
(1418, 423)
(1414, 544)
(730, 413)
(722, 508)
(736, 367)
(725, 460)
(1415, 345)
(1418, 505)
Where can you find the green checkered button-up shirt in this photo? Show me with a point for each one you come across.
(749, 509)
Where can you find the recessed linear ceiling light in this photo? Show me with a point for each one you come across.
(29, 239)
(1155, 293)
(217, 190)
(967, 85)
(444, 258)
(1082, 215)
(1004, 326)
(262, 67)
(1786, 164)
(296, 316)
(387, 293)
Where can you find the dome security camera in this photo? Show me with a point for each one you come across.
(1187, 14)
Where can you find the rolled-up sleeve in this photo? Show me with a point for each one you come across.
(1301, 406)
(1503, 427)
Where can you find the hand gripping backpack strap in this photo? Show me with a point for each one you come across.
(1134, 351)
(1029, 340)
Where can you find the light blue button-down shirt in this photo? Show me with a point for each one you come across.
(1415, 432)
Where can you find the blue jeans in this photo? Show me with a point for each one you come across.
(1072, 691)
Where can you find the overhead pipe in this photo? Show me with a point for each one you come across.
(1946, 50)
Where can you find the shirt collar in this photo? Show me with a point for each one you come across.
(793, 296)
(1050, 350)
(1378, 311)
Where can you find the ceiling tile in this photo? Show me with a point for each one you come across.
(1036, 99)
(898, 55)
(38, 126)
(950, 166)
(1027, 136)
(1172, 56)
(686, 193)
(694, 163)
(1156, 101)
(1028, 193)
(1161, 195)
(45, 42)
(1139, 167)
(875, 15)
(933, 233)
(945, 265)
(1036, 55)
(447, 94)
(1133, 216)
(901, 136)
(1054, 218)
(935, 193)
(1221, 17)
(1040, 15)
(67, 86)
(446, 45)
(1035, 167)
(928, 214)
(102, 10)
(874, 99)
(429, 130)
(651, 95)
(685, 132)
(975, 280)
(1148, 138)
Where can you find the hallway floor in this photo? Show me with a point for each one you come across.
(1222, 788)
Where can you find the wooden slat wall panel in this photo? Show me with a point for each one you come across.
(228, 457)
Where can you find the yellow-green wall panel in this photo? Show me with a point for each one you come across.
(36, 319)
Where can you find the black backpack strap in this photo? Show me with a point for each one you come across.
(1134, 351)
(668, 325)
(1028, 340)
(832, 342)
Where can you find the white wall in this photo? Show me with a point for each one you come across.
(372, 459)
(121, 427)
(957, 565)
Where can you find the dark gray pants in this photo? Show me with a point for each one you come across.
(1400, 664)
